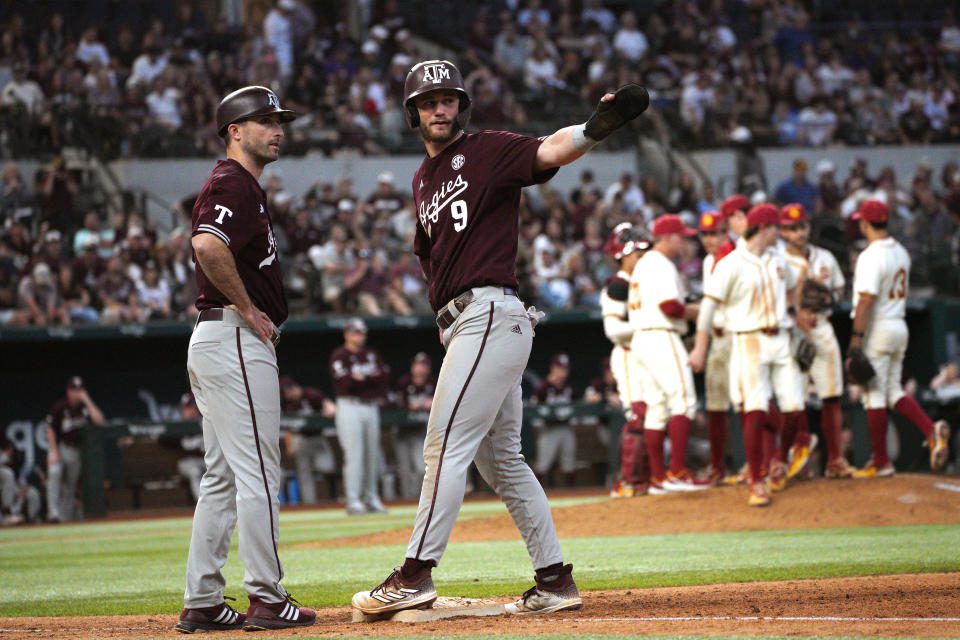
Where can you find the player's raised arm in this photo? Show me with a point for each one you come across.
(613, 111)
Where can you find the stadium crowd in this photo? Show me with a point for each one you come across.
(346, 252)
(792, 73)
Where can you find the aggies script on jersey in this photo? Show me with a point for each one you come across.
(233, 207)
(467, 199)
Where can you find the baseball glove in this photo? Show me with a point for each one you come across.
(805, 353)
(859, 369)
(815, 296)
(629, 102)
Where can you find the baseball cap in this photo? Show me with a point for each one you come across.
(671, 223)
(135, 232)
(793, 213)
(736, 202)
(825, 166)
(52, 236)
(75, 382)
(710, 221)
(763, 214)
(345, 205)
(385, 176)
(355, 324)
(560, 360)
(422, 358)
(872, 211)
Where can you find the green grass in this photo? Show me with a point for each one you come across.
(138, 566)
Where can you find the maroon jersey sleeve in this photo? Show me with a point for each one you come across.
(226, 211)
(55, 418)
(514, 157)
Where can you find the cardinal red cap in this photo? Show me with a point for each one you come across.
(736, 202)
(793, 213)
(872, 211)
(670, 223)
(711, 221)
(763, 214)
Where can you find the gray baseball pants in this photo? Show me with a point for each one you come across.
(408, 452)
(234, 378)
(556, 443)
(476, 417)
(311, 453)
(62, 481)
(358, 430)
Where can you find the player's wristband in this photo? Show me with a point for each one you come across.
(581, 141)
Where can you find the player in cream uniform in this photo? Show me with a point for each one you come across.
(713, 237)
(753, 284)
(826, 372)
(880, 285)
(658, 317)
(626, 247)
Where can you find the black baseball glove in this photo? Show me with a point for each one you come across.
(805, 353)
(815, 297)
(859, 369)
(629, 101)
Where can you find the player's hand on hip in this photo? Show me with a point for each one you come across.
(257, 320)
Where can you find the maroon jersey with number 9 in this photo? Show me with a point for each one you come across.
(233, 207)
(467, 200)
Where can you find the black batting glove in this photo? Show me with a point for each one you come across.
(629, 101)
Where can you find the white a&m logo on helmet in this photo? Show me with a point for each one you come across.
(273, 99)
(435, 73)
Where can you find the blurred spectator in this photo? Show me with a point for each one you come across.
(630, 43)
(312, 453)
(915, 125)
(698, 98)
(278, 34)
(118, 294)
(76, 298)
(153, 293)
(90, 50)
(595, 12)
(334, 260)
(817, 124)
(190, 466)
(946, 384)
(797, 188)
(39, 298)
(148, 65)
(415, 390)
(510, 50)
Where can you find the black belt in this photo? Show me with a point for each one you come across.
(452, 310)
(216, 313)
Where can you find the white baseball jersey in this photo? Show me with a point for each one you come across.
(655, 279)
(708, 267)
(613, 306)
(883, 270)
(753, 290)
(819, 265)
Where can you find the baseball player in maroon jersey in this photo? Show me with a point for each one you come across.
(415, 390)
(556, 438)
(311, 452)
(359, 379)
(65, 424)
(626, 247)
(467, 194)
(232, 364)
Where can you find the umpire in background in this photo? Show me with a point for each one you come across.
(359, 379)
(232, 364)
(65, 424)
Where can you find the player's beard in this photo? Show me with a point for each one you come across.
(263, 154)
(439, 138)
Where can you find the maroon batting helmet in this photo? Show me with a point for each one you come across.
(249, 102)
(431, 75)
